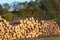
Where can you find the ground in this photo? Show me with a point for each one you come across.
(47, 38)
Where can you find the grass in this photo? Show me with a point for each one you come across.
(41, 39)
(51, 37)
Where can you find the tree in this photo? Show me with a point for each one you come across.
(4, 11)
(6, 6)
(25, 4)
(1, 9)
(20, 6)
(48, 8)
(53, 7)
(30, 5)
(15, 5)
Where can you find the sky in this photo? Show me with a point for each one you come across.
(10, 1)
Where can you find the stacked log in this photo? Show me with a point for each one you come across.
(28, 28)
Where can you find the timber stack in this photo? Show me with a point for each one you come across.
(28, 28)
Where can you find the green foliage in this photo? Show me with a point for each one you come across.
(45, 9)
(58, 20)
(8, 16)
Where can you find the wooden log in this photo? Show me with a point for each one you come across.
(33, 36)
(23, 37)
(0, 38)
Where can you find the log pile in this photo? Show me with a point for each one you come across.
(28, 28)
